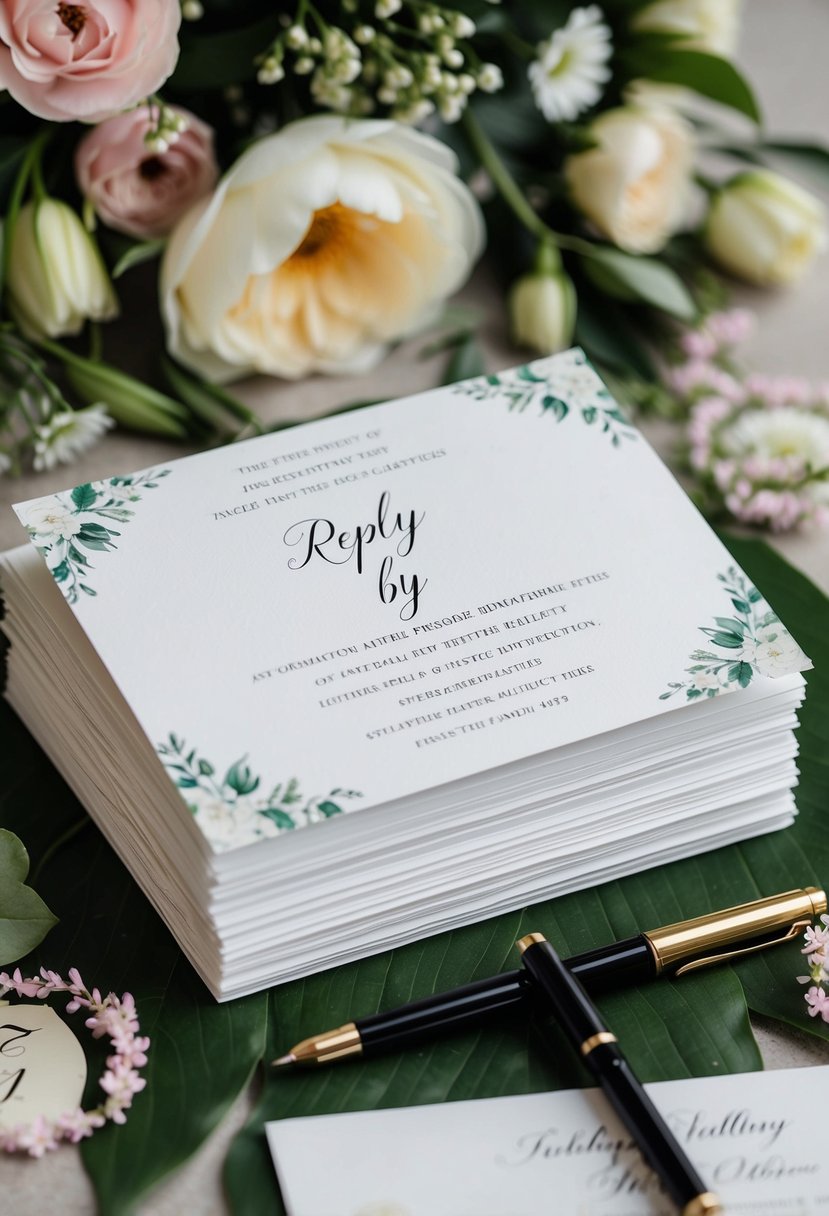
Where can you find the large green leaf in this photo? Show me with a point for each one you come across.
(639, 279)
(693, 1026)
(24, 918)
(215, 60)
(201, 1055)
(654, 58)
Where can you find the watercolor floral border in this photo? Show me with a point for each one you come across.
(228, 809)
(66, 527)
(565, 386)
(752, 642)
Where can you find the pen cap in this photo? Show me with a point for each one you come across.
(718, 931)
(568, 999)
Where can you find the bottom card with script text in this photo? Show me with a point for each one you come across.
(758, 1140)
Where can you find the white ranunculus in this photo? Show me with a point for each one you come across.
(323, 243)
(779, 657)
(634, 184)
(56, 276)
(542, 310)
(49, 521)
(764, 228)
(705, 25)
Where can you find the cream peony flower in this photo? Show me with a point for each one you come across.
(764, 228)
(634, 184)
(705, 25)
(322, 244)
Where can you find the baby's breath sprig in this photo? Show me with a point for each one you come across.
(165, 125)
(405, 58)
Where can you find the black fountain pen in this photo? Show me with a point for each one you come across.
(601, 1053)
(671, 950)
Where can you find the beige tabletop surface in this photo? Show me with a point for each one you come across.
(783, 50)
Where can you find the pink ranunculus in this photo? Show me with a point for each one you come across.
(84, 61)
(135, 189)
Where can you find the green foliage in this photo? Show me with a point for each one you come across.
(653, 57)
(640, 279)
(467, 360)
(134, 255)
(216, 60)
(24, 918)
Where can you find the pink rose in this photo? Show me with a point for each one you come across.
(85, 61)
(135, 189)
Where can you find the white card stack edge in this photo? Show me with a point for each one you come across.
(671, 786)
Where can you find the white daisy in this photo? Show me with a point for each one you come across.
(571, 67)
(68, 434)
(783, 432)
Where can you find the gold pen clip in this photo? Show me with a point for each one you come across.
(710, 960)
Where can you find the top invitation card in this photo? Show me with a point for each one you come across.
(340, 615)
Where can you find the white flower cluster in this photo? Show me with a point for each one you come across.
(409, 70)
(166, 126)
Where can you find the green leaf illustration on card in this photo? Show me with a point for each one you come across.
(66, 528)
(566, 386)
(763, 644)
(233, 811)
(24, 918)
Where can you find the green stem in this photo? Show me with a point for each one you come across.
(96, 342)
(60, 352)
(63, 839)
(31, 158)
(512, 193)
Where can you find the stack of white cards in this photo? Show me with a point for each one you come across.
(331, 690)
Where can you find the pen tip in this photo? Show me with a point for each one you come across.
(290, 1058)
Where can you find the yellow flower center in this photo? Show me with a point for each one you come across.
(73, 17)
(329, 234)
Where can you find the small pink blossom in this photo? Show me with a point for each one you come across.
(818, 1001)
(815, 939)
(731, 327)
(698, 344)
(136, 189)
(38, 1138)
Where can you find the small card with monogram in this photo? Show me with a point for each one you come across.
(322, 689)
(756, 1139)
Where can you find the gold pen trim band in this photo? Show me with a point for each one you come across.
(596, 1040)
(706, 1204)
(531, 939)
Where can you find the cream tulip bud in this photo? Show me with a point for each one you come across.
(57, 279)
(634, 183)
(542, 305)
(764, 228)
(704, 25)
